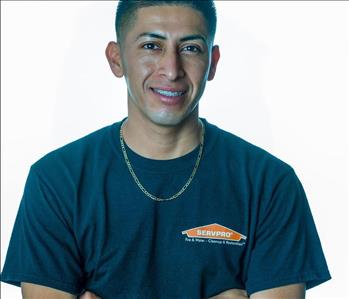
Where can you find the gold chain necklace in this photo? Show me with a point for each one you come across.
(153, 197)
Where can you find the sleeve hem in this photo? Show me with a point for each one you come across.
(16, 279)
(310, 281)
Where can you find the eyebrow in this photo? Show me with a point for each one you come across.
(183, 39)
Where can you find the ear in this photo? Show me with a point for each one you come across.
(113, 54)
(215, 55)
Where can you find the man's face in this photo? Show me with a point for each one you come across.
(166, 58)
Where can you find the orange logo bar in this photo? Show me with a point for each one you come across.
(214, 231)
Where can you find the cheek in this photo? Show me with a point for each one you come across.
(197, 71)
(140, 69)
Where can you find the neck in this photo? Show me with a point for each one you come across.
(161, 142)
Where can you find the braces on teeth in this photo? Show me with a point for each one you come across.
(169, 93)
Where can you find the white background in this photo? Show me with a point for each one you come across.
(281, 84)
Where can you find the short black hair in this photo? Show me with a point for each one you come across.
(126, 12)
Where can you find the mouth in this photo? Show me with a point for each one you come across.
(168, 93)
(169, 97)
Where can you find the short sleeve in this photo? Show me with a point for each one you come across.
(286, 248)
(42, 248)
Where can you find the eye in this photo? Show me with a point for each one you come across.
(192, 49)
(150, 46)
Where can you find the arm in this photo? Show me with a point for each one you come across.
(34, 291)
(231, 294)
(294, 291)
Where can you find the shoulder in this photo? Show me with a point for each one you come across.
(243, 151)
(78, 153)
(246, 160)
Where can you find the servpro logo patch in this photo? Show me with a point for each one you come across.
(214, 233)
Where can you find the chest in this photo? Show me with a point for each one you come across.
(191, 247)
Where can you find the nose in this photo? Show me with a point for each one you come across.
(171, 66)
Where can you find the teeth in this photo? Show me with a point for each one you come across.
(169, 93)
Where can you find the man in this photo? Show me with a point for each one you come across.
(134, 210)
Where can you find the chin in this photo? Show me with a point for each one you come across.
(165, 118)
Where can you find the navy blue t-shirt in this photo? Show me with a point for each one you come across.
(83, 223)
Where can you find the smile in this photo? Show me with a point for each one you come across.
(168, 93)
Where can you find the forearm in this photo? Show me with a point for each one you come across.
(294, 291)
(231, 294)
(34, 291)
